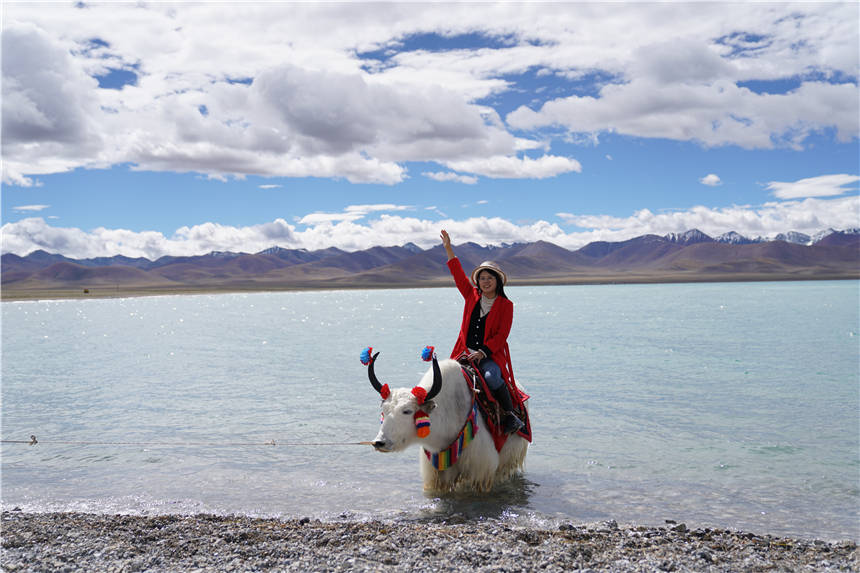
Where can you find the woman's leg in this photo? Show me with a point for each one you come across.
(493, 377)
(492, 374)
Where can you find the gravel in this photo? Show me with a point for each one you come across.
(90, 542)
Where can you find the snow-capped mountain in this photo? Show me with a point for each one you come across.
(688, 237)
(827, 232)
(794, 237)
(734, 238)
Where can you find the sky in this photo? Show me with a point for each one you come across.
(154, 128)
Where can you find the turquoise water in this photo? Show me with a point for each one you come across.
(719, 405)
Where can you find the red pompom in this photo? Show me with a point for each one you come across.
(384, 391)
(420, 394)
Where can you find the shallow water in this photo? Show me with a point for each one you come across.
(720, 405)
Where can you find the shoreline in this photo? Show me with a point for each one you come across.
(79, 541)
(131, 291)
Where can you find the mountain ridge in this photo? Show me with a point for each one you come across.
(674, 257)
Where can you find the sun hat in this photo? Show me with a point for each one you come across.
(491, 266)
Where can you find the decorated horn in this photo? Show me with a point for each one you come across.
(437, 380)
(369, 360)
(422, 395)
(372, 375)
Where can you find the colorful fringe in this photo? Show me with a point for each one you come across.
(449, 456)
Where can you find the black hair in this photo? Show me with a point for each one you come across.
(500, 288)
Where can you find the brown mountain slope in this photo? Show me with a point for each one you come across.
(72, 275)
(644, 259)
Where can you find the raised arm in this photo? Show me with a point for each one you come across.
(460, 279)
(446, 242)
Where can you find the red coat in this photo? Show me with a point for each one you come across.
(496, 328)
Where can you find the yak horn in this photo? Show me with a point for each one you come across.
(370, 374)
(437, 381)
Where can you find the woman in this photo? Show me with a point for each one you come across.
(487, 318)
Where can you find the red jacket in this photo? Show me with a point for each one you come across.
(497, 327)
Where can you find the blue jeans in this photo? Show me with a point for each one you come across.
(492, 373)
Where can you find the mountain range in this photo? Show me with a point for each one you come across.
(681, 257)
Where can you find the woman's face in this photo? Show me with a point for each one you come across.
(487, 283)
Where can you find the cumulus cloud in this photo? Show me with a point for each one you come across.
(508, 167)
(347, 231)
(822, 186)
(691, 88)
(347, 98)
(711, 180)
(296, 118)
(49, 117)
(807, 216)
(713, 114)
(449, 176)
(24, 236)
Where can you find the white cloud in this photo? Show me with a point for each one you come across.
(507, 167)
(365, 209)
(27, 235)
(351, 213)
(821, 186)
(688, 87)
(807, 216)
(713, 114)
(270, 186)
(449, 176)
(313, 107)
(12, 177)
(711, 180)
(30, 207)
(348, 233)
(49, 116)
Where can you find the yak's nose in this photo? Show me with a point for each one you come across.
(378, 444)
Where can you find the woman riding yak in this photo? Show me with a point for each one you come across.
(487, 318)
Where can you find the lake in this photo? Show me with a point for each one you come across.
(718, 405)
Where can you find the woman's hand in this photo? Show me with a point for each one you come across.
(446, 242)
(477, 356)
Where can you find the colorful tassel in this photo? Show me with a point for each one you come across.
(422, 423)
(366, 355)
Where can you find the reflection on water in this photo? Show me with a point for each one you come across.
(503, 501)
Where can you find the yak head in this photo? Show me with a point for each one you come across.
(405, 412)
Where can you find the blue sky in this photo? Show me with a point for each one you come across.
(354, 125)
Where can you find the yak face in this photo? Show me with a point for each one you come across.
(399, 407)
(397, 430)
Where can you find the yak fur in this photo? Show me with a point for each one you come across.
(479, 466)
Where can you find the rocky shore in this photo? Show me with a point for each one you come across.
(87, 542)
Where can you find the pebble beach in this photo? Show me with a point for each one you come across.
(118, 543)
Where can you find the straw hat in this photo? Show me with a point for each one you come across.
(493, 267)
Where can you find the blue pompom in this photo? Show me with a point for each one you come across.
(365, 355)
(427, 353)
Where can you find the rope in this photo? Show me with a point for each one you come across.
(33, 441)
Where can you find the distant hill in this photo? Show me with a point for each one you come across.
(688, 256)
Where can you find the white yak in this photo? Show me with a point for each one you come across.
(444, 395)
